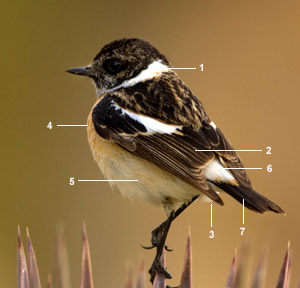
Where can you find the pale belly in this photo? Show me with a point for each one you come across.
(154, 185)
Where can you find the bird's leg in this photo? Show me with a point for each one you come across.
(159, 236)
(157, 231)
(184, 206)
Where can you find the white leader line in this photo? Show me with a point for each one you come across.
(80, 180)
(243, 211)
(71, 125)
(211, 215)
(243, 168)
(182, 68)
(228, 150)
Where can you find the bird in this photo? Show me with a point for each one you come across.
(146, 125)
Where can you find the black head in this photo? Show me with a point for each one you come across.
(119, 61)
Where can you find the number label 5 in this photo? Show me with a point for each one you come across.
(72, 181)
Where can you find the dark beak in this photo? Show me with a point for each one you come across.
(85, 71)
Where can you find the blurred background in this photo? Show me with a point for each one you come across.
(249, 87)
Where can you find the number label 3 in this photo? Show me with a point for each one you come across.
(211, 234)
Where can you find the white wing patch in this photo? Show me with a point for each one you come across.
(152, 125)
(215, 171)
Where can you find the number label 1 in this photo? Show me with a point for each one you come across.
(49, 126)
(211, 234)
(72, 181)
(242, 230)
(201, 67)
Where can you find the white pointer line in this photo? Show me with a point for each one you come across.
(211, 215)
(181, 68)
(107, 180)
(227, 150)
(243, 211)
(243, 168)
(71, 125)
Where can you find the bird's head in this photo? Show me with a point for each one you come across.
(122, 63)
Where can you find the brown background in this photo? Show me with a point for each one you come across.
(250, 88)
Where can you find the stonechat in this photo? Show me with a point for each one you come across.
(146, 125)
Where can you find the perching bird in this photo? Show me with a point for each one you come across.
(146, 125)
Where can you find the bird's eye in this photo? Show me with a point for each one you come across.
(113, 66)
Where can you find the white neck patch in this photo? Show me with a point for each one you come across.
(154, 69)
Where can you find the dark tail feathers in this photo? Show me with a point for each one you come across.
(253, 200)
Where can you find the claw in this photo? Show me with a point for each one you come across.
(169, 250)
(152, 246)
(148, 247)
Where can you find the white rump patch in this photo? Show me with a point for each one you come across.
(152, 125)
(213, 124)
(215, 171)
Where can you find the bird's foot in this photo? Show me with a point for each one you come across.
(158, 241)
(157, 267)
(158, 236)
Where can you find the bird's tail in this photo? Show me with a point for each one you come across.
(252, 199)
